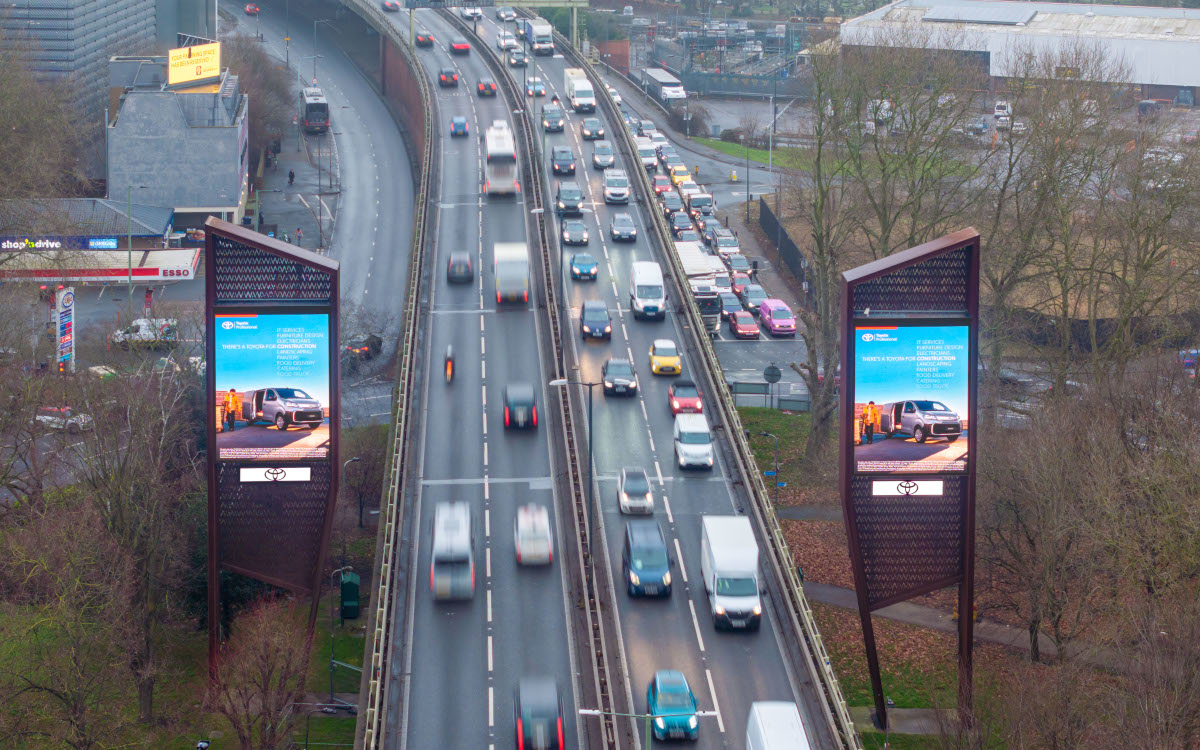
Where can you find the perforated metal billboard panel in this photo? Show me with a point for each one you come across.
(243, 273)
(272, 530)
(935, 285)
(908, 544)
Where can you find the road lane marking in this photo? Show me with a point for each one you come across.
(652, 448)
(696, 625)
(658, 471)
(716, 705)
(489, 574)
(484, 417)
(492, 706)
(483, 370)
(487, 522)
(486, 486)
(678, 558)
(645, 416)
(485, 456)
(490, 670)
(483, 389)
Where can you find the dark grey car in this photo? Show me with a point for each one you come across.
(619, 378)
(622, 228)
(562, 161)
(574, 232)
(602, 155)
(594, 321)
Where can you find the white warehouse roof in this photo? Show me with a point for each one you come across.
(1159, 46)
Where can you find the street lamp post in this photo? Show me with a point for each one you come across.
(346, 463)
(340, 571)
(559, 382)
(647, 717)
(315, 55)
(746, 148)
(287, 34)
(776, 439)
(129, 232)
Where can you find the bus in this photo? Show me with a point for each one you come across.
(500, 174)
(314, 110)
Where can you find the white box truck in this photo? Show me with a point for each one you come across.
(540, 35)
(775, 725)
(580, 94)
(729, 565)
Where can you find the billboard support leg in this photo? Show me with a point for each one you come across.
(880, 716)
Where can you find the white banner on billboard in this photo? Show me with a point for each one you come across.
(907, 487)
(276, 474)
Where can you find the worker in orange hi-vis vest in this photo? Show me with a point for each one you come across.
(231, 408)
(870, 417)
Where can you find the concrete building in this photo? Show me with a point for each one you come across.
(1159, 46)
(185, 148)
(71, 41)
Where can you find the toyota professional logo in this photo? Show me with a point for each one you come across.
(907, 487)
(278, 475)
(868, 337)
(227, 325)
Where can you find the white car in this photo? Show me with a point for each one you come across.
(616, 96)
(1003, 122)
(63, 418)
(505, 40)
(688, 188)
(471, 13)
(1002, 109)
(531, 535)
(633, 492)
(1019, 127)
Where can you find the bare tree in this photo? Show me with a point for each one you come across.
(268, 84)
(68, 588)
(261, 674)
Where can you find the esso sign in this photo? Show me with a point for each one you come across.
(175, 273)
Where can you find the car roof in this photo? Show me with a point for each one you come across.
(562, 149)
(584, 257)
(618, 361)
(533, 517)
(460, 117)
(537, 694)
(452, 527)
(684, 382)
(691, 422)
(644, 532)
(622, 216)
(665, 342)
(519, 392)
(593, 305)
(670, 679)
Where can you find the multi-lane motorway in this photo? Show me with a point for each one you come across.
(464, 659)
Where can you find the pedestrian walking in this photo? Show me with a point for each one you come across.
(299, 236)
(291, 176)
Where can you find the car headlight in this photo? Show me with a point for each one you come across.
(633, 233)
(586, 329)
(757, 609)
(624, 497)
(585, 236)
(674, 403)
(719, 609)
(635, 383)
(545, 123)
(575, 269)
(633, 578)
(608, 329)
(561, 204)
(710, 460)
(667, 579)
(608, 384)
(660, 723)
(692, 722)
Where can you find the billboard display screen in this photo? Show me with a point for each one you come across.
(272, 386)
(911, 398)
(196, 63)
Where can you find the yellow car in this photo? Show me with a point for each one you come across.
(679, 174)
(664, 358)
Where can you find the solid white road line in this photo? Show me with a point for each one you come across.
(678, 558)
(716, 706)
(667, 506)
(696, 625)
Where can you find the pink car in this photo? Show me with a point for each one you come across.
(777, 317)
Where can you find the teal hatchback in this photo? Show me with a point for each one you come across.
(671, 701)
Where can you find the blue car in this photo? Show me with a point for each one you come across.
(671, 701)
(458, 126)
(584, 266)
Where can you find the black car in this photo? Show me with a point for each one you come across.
(447, 77)
(752, 296)
(364, 346)
(569, 200)
(487, 87)
(460, 270)
(574, 232)
(520, 407)
(539, 715)
(645, 560)
(737, 262)
(591, 129)
(671, 203)
(730, 304)
(594, 321)
(554, 119)
(680, 221)
(424, 39)
(518, 59)
(622, 228)
(562, 161)
(619, 378)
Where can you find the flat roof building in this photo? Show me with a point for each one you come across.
(1159, 47)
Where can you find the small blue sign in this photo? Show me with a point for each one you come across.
(102, 243)
(781, 484)
(768, 473)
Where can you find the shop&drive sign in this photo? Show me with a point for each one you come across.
(65, 307)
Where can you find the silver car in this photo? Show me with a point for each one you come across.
(282, 407)
(922, 420)
(633, 492)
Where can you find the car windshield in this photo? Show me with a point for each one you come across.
(619, 370)
(570, 193)
(292, 393)
(730, 300)
(623, 221)
(725, 240)
(736, 587)
(636, 483)
(649, 291)
(931, 406)
(562, 153)
(681, 220)
(603, 148)
(782, 314)
(694, 438)
(552, 112)
(642, 558)
(686, 391)
(672, 200)
(595, 314)
(666, 350)
(583, 259)
(591, 123)
(575, 226)
(617, 181)
(701, 200)
(674, 698)
(755, 294)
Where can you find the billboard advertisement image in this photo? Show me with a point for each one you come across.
(910, 398)
(272, 386)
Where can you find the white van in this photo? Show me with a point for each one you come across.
(647, 153)
(616, 186)
(647, 292)
(693, 441)
(775, 725)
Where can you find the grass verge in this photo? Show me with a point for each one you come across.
(792, 431)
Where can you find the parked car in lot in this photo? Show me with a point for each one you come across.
(595, 321)
(63, 418)
(619, 378)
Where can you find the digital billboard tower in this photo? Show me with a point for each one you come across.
(271, 314)
(910, 333)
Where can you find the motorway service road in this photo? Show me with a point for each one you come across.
(465, 658)
(726, 670)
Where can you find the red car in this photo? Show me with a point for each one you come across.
(743, 326)
(251, 9)
(662, 183)
(460, 46)
(684, 398)
(739, 281)
(448, 77)
(487, 87)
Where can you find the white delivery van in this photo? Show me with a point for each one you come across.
(647, 292)
(729, 565)
(616, 186)
(579, 90)
(647, 153)
(693, 441)
(149, 332)
(775, 725)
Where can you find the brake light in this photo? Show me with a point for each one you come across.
(525, 296)
(506, 416)
(472, 576)
(560, 734)
(497, 298)
(520, 735)
(535, 416)
(431, 578)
